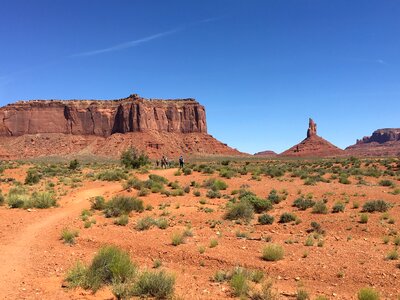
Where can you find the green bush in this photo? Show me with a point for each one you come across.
(386, 182)
(363, 218)
(68, 236)
(338, 207)
(320, 208)
(259, 205)
(274, 198)
(122, 220)
(1, 198)
(73, 164)
(112, 175)
(145, 223)
(132, 158)
(215, 184)
(302, 203)
(178, 238)
(98, 203)
(376, 205)
(239, 284)
(157, 284)
(287, 217)
(272, 252)
(42, 200)
(158, 178)
(133, 182)
(265, 219)
(32, 177)
(162, 223)
(110, 265)
(241, 210)
(213, 194)
(367, 294)
(77, 276)
(123, 205)
(16, 200)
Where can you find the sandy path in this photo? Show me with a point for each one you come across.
(16, 254)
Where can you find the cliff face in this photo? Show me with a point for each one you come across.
(382, 142)
(102, 118)
(105, 128)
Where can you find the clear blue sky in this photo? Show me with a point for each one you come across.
(261, 68)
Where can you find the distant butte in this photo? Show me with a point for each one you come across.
(106, 128)
(313, 145)
(266, 153)
(382, 142)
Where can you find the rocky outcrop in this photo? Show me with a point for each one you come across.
(106, 128)
(382, 142)
(313, 145)
(102, 118)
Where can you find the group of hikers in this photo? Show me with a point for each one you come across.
(165, 163)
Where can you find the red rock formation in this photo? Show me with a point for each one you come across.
(106, 128)
(382, 142)
(313, 145)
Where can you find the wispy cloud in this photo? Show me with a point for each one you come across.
(140, 41)
(129, 44)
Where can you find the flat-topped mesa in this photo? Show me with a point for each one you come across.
(382, 136)
(102, 117)
(312, 128)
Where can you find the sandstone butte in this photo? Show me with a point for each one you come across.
(266, 153)
(313, 146)
(382, 142)
(106, 127)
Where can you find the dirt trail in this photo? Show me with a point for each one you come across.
(15, 259)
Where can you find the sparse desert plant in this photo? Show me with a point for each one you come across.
(265, 219)
(213, 243)
(239, 284)
(111, 175)
(363, 218)
(32, 177)
(287, 217)
(177, 238)
(302, 295)
(213, 194)
(309, 241)
(303, 203)
(272, 252)
(98, 203)
(338, 207)
(120, 205)
(367, 294)
(157, 284)
(241, 210)
(1, 198)
(387, 183)
(73, 164)
(68, 236)
(259, 205)
(145, 223)
(196, 193)
(392, 255)
(162, 223)
(376, 205)
(215, 184)
(77, 276)
(320, 208)
(43, 200)
(122, 220)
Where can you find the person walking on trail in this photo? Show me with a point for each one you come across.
(181, 162)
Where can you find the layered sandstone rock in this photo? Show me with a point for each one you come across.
(102, 118)
(106, 128)
(382, 142)
(266, 153)
(313, 145)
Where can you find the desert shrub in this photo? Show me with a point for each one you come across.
(227, 173)
(343, 179)
(272, 252)
(73, 164)
(120, 205)
(68, 236)
(367, 294)
(259, 205)
(273, 197)
(145, 223)
(363, 218)
(133, 182)
(320, 208)
(241, 210)
(77, 276)
(265, 219)
(178, 238)
(143, 192)
(1, 198)
(133, 159)
(392, 255)
(158, 178)
(157, 284)
(303, 203)
(338, 207)
(112, 175)
(162, 223)
(42, 200)
(186, 189)
(187, 171)
(215, 184)
(376, 205)
(239, 284)
(32, 177)
(287, 217)
(213, 243)
(386, 182)
(316, 227)
(98, 203)
(196, 193)
(110, 265)
(122, 220)
(302, 295)
(213, 194)
(16, 200)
